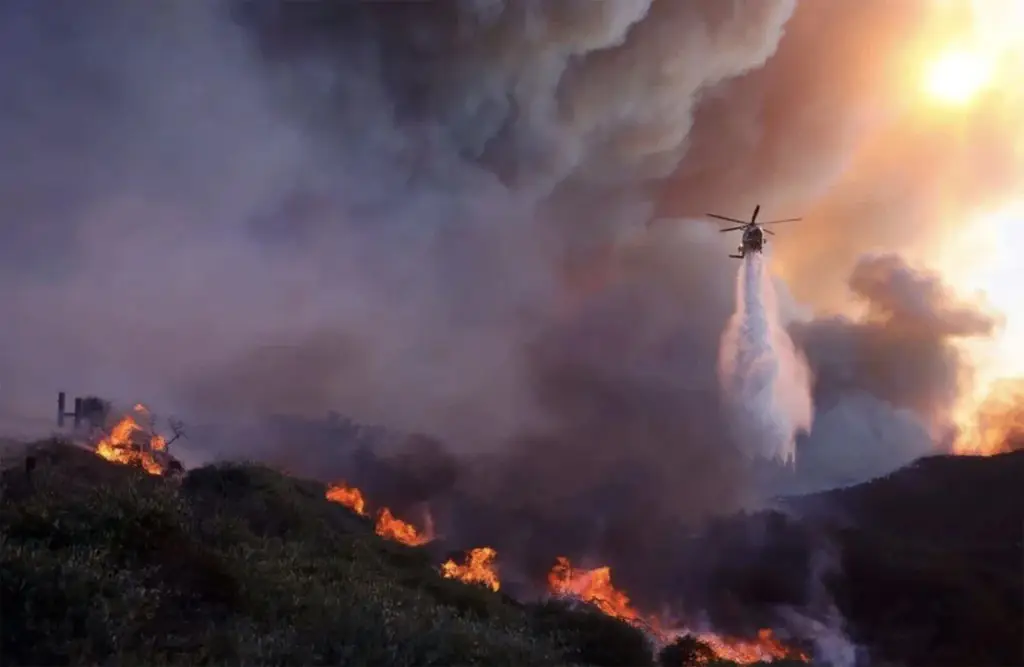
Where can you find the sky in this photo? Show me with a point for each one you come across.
(483, 220)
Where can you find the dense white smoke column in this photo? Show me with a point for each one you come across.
(765, 380)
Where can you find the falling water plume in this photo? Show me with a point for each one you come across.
(765, 380)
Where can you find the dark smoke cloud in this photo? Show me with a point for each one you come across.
(163, 281)
(433, 216)
(266, 233)
(886, 382)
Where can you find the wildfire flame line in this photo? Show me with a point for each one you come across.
(766, 648)
(387, 525)
(129, 443)
(595, 587)
(591, 586)
(392, 528)
(347, 496)
(479, 568)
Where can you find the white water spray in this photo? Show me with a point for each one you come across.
(766, 382)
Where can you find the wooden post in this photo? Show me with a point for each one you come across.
(62, 402)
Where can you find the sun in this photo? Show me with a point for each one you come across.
(957, 77)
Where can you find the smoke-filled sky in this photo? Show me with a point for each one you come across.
(434, 216)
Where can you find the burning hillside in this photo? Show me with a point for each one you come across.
(595, 587)
(347, 496)
(129, 443)
(479, 568)
(310, 562)
(590, 587)
(734, 568)
(387, 525)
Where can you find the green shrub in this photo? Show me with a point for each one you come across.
(591, 637)
(239, 564)
(686, 651)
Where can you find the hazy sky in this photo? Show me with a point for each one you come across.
(434, 215)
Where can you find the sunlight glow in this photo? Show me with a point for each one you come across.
(987, 54)
(956, 77)
(984, 63)
(983, 261)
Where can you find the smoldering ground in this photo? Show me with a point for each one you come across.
(433, 216)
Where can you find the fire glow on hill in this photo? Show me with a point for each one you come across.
(587, 586)
(129, 443)
(387, 525)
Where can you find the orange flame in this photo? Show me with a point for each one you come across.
(766, 648)
(348, 496)
(122, 445)
(591, 586)
(595, 587)
(391, 528)
(388, 526)
(479, 568)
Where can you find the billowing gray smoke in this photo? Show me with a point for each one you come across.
(766, 382)
(885, 384)
(433, 216)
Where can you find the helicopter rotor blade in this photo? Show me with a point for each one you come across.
(768, 231)
(775, 222)
(731, 229)
(655, 221)
(722, 217)
(757, 209)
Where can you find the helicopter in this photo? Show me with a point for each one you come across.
(753, 233)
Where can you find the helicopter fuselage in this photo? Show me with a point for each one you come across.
(753, 238)
(753, 241)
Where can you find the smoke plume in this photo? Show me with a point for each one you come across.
(766, 381)
(887, 381)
